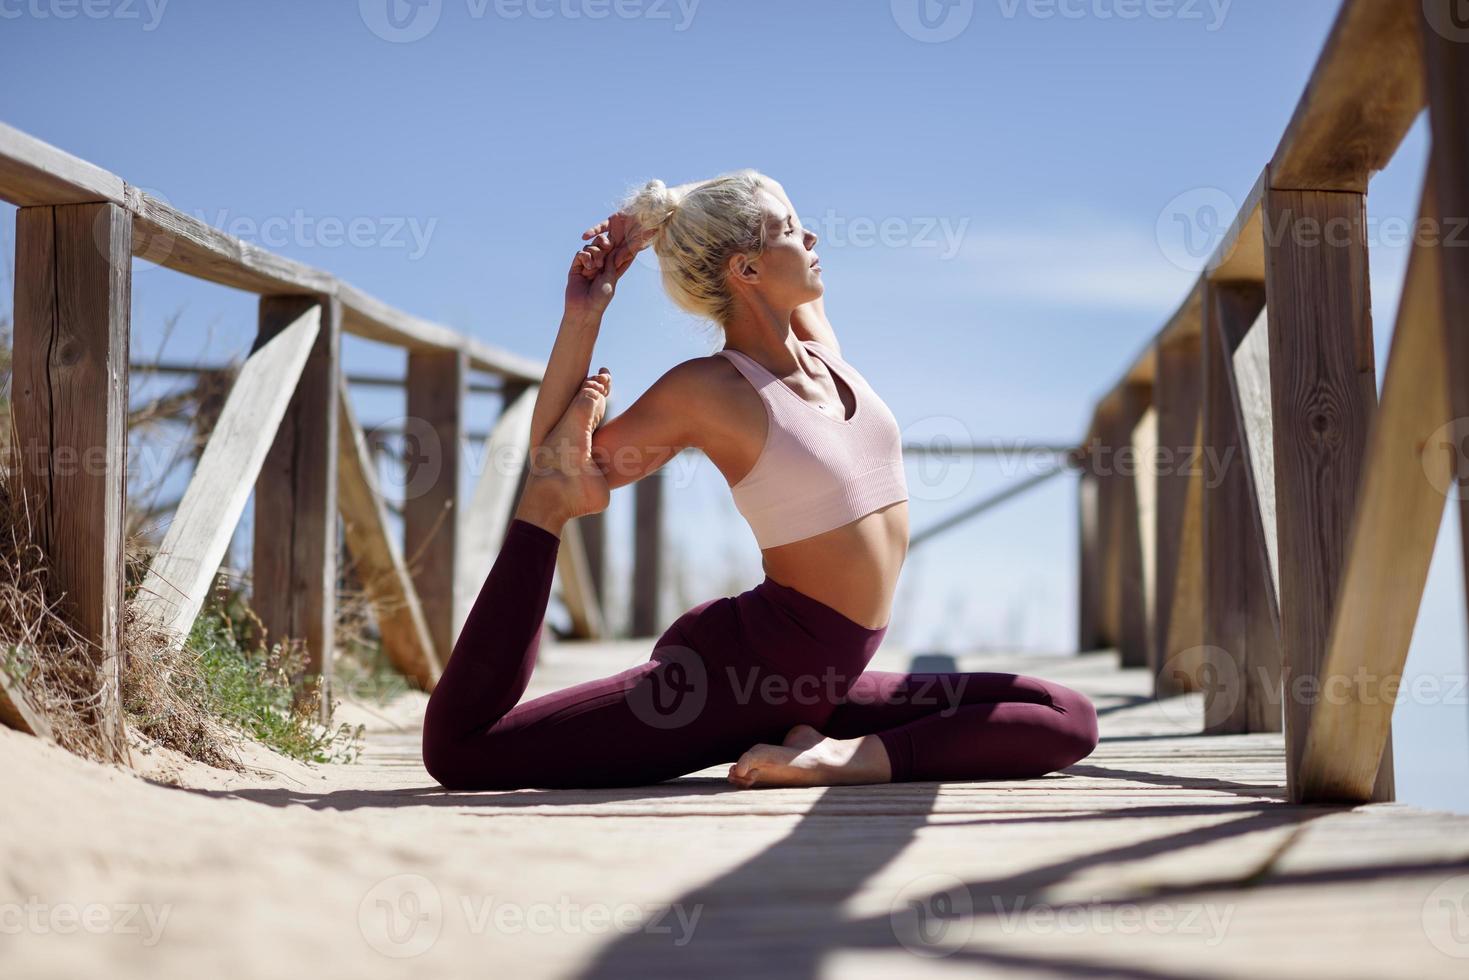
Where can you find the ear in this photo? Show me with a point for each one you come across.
(742, 269)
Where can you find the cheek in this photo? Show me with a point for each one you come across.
(794, 262)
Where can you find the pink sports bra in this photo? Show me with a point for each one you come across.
(816, 472)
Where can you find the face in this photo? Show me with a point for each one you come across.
(788, 273)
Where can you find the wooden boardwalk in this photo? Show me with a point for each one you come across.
(1165, 854)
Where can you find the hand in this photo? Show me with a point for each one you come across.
(622, 230)
(592, 280)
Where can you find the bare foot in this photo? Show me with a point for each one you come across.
(564, 481)
(808, 758)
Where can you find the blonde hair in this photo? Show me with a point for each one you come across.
(696, 232)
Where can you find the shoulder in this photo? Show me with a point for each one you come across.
(698, 387)
(712, 397)
(694, 376)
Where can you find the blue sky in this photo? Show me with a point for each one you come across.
(998, 193)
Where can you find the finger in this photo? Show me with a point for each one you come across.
(624, 259)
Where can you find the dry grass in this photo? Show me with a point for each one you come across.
(56, 667)
(196, 694)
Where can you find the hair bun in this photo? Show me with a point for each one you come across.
(652, 205)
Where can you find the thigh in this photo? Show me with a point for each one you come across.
(696, 703)
(880, 700)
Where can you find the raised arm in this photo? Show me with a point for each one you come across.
(590, 285)
(663, 421)
(809, 322)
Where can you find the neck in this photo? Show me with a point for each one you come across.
(764, 333)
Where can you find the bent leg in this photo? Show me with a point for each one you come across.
(968, 726)
(693, 705)
(496, 651)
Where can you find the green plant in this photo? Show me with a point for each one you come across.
(260, 690)
(225, 674)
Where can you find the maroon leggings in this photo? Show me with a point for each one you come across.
(728, 674)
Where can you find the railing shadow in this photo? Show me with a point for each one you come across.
(781, 911)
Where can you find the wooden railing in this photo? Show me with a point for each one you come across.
(286, 430)
(1284, 580)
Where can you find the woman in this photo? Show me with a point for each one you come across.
(773, 678)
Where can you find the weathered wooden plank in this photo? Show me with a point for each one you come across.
(1242, 676)
(294, 572)
(1145, 492)
(1323, 394)
(182, 571)
(1186, 323)
(1240, 256)
(35, 173)
(1178, 396)
(495, 493)
(1089, 630)
(1251, 394)
(73, 283)
(1391, 544)
(407, 641)
(1185, 656)
(1363, 96)
(431, 508)
(366, 316)
(1446, 58)
(582, 602)
(1101, 458)
(593, 529)
(1143, 370)
(18, 712)
(1132, 636)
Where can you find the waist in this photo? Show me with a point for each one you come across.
(853, 568)
(796, 632)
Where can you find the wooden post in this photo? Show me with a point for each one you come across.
(1409, 469)
(73, 283)
(594, 542)
(647, 554)
(295, 556)
(438, 382)
(1132, 639)
(1089, 625)
(1447, 73)
(1145, 484)
(1178, 558)
(1109, 517)
(1323, 393)
(495, 495)
(1241, 679)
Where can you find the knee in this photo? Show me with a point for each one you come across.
(442, 758)
(448, 753)
(1079, 735)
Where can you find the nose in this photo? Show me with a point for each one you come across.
(811, 238)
